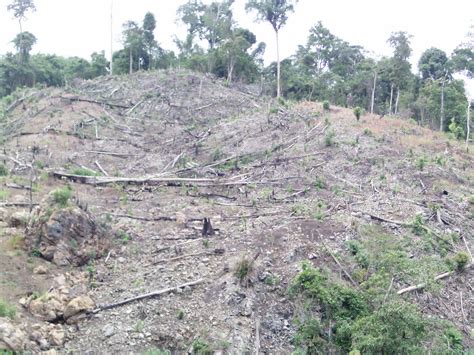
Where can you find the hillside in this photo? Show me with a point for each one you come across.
(374, 206)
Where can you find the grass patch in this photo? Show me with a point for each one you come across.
(61, 196)
(7, 310)
(84, 172)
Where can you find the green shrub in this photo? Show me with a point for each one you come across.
(421, 162)
(7, 310)
(243, 269)
(461, 260)
(329, 138)
(84, 172)
(357, 112)
(395, 328)
(3, 170)
(326, 105)
(61, 196)
(456, 130)
(201, 347)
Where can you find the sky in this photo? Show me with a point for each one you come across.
(80, 27)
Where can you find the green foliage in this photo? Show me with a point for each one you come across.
(61, 196)
(243, 269)
(461, 259)
(123, 236)
(395, 328)
(319, 183)
(201, 347)
(3, 195)
(456, 130)
(3, 170)
(357, 112)
(326, 105)
(421, 162)
(84, 172)
(329, 138)
(7, 310)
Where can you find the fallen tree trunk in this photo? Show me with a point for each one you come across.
(423, 285)
(169, 181)
(146, 295)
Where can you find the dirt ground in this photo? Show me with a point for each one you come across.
(280, 183)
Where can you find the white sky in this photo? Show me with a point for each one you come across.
(80, 27)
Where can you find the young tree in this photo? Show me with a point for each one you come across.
(276, 13)
(19, 8)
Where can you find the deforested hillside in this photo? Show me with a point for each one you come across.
(167, 212)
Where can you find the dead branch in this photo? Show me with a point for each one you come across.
(146, 295)
(17, 204)
(101, 168)
(119, 155)
(214, 252)
(423, 285)
(177, 245)
(103, 103)
(381, 219)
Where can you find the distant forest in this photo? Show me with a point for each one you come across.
(326, 68)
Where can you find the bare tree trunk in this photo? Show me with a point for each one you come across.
(278, 65)
(230, 71)
(441, 119)
(21, 43)
(396, 100)
(130, 61)
(391, 99)
(373, 94)
(468, 123)
(111, 39)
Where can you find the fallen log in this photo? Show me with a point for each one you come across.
(169, 181)
(436, 278)
(146, 295)
(103, 103)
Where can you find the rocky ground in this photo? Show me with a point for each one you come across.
(279, 182)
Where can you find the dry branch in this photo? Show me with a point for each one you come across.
(146, 295)
(103, 103)
(214, 252)
(423, 285)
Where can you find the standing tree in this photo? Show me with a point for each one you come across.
(434, 65)
(400, 42)
(149, 25)
(133, 43)
(24, 42)
(19, 9)
(276, 13)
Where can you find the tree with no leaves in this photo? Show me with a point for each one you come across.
(276, 13)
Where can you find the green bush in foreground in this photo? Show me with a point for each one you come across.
(61, 196)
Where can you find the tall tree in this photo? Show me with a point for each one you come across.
(400, 42)
(149, 25)
(23, 43)
(434, 65)
(133, 43)
(19, 8)
(276, 13)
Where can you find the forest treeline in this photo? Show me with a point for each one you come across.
(325, 67)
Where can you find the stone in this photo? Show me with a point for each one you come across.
(78, 305)
(19, 219)
(40, 270)
(67, 236)
(46, 308)
(11, 337)
(108, 330)
(56, 335)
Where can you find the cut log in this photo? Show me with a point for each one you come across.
(146, 295)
